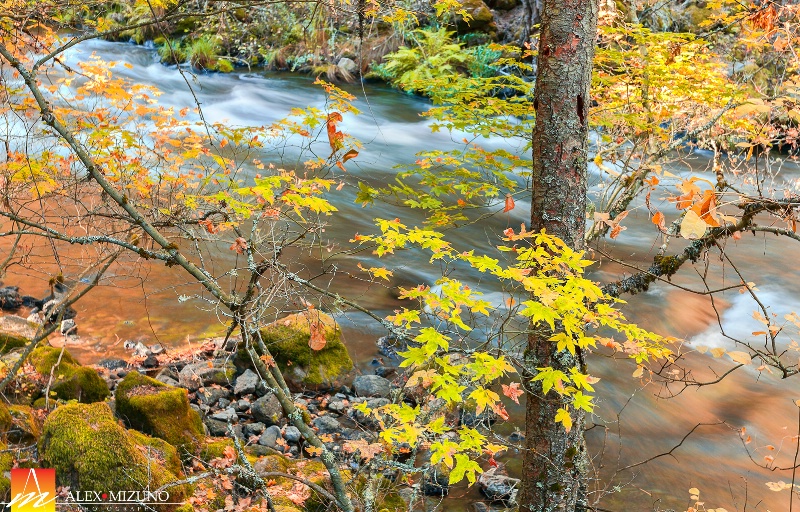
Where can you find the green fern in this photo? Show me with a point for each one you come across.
(435, 54)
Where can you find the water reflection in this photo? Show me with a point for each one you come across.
(141, 302)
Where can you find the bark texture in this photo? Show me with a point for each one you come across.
(554, 465)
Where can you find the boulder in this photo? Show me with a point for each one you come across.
(267, 410)
(91, 452)
(372, 386)
(303, 367)
(71, 381)
(159, 410)
(481, 17)
(196, 375)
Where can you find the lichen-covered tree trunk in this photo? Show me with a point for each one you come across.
(554, 465)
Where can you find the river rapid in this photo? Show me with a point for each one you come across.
(632, 422)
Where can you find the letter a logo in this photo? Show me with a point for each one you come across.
(33, 490)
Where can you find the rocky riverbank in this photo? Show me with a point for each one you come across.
(164, 417)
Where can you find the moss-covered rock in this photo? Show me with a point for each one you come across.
(25, 425)
(162, 411)
(92, 452)
(214, 448)
(9, 341)
(480, 17)
(71, 381)
(5, 418)
(159, 450)
(6, 463)
(304, 368)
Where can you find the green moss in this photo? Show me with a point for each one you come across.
(6, 463)
(5, 418)
(71, 381)
(160, 450)
(24, 426)
(214, 448)
(92, 452)
(288, 340)
(9, 342)
(163, 411)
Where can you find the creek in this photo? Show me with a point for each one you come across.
(632, 423)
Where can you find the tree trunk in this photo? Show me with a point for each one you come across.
(554, 465)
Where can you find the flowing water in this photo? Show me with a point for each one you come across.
(633, 423)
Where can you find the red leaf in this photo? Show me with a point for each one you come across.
(335, 137)
(513, 391)
(509, 203)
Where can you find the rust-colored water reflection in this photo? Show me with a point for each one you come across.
(141, 303)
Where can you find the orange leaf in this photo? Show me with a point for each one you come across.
(340, 165)
(513, 391)
(509, 203)
(317, 340)
(706, 208)
(239, 245)
(658, 220)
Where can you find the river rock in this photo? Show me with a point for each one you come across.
(305, 368)
(112, 364)
(212, 395)
(216, 428)
(292, 434)
(10, 298)
(227, 415)
(327, 424)
(254, 429)
(270, 437)
(369, 420)
(347, 65)
(498, 487)
(68, 327)
(246, 383)
(150, 361)
(196, 375)
(372, 386)
(436, 482)
(267, 410)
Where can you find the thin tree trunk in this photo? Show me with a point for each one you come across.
(554, 465)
